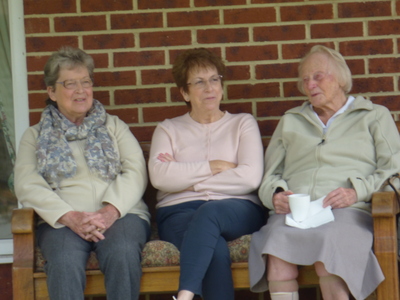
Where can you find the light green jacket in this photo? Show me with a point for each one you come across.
(360, 150)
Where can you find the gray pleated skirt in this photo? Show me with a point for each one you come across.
(344, 246)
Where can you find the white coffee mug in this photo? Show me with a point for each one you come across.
(299, 205)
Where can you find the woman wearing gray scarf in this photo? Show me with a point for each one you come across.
(84, 174)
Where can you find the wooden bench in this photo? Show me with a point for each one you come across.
(29, 282)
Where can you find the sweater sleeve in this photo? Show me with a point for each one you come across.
(387, 147)
(274, 165)
(246, 177)
(31, 188)
(173, 176)
(126, 190)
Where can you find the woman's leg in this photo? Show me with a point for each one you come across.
(332, 287)
(281, 276)
(119, 256)
(66, 255)
(204, 251)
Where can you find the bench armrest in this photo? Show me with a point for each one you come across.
(384, 212)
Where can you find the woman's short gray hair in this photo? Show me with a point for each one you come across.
(342, 71)
(66, 58)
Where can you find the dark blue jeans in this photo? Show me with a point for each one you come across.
(200, 230)
(119, 256)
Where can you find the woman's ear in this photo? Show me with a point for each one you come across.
(51, 93)
(184, 95)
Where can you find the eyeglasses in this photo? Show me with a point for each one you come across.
(201, 84)
(318, 76)
(73, 84)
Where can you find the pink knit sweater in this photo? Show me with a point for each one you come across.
(234, 138)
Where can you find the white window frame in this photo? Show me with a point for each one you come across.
(20, 91)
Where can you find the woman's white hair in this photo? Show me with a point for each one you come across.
(341, 70)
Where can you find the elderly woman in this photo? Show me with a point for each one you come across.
(84, 174)
(206, 165)
(337, 146)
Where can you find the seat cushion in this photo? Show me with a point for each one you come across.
(157, 253)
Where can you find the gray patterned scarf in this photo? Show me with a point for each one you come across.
(55, 159)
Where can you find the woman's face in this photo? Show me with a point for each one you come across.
(204, 90)
(73, 102)
(320, 83)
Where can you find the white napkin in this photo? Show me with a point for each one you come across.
(317, 216)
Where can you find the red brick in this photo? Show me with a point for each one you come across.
(237, 73)
(102, 96)
(165, 38)
(128, 115)
(248, 91)
(100, 60)
(236, 108)
(206, 3)
(37, 100)
(32, 7)
(390, 102)
(384, 65)
(274, 1)
(81, 23)
(336, 30)
(174, 53)
(115, 78)
(36, 82)
(36, 63)
(176, 95)
(143, 133)
(252, 53)
(287, 70)
(290, 89)
(267, 127)
(193, 18)
(139, 96)
(49, 43)
(223, 35)
(358, 9)
(250, 15)
(159, 76)
(279, 33)
(276, 108)
(105, 5)
(306, 12)
(132, 21)
(34, 117)
(294, 51)
(384, 27)
(366, 47)
(143, 58)
(158, 114)
(37, 25)
(356, 66)
(398, 7)
(372, 85)
(146, 4)
(109, 41)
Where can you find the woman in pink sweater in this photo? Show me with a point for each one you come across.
(206, 165)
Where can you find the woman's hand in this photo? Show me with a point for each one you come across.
(340, 198)
(78, 222)
(218, 166)
(281, 202)
(166, 157)
(101, 220)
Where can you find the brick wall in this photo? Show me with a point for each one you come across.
(134, 43)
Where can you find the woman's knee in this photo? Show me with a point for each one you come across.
(320, 269)
(280, 270)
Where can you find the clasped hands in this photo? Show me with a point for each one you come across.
(91, 225)
(338, 198)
